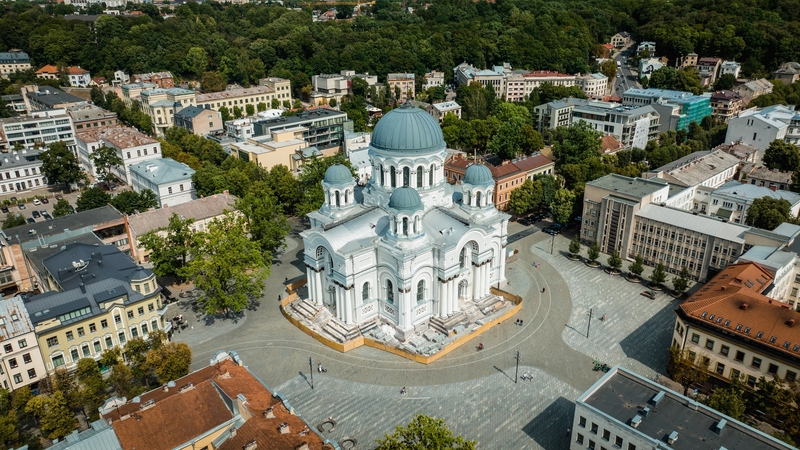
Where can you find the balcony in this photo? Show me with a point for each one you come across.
(162, 311)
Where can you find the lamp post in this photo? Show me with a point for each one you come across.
(516, 372)
(311, 371)
(589, 325)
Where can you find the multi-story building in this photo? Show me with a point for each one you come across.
(759, 175)
(160, 104)
(758, 127)
(77, 76)
(85, 116)
(624, 410)
(238, 97)
(202, 211)
(46, 97)
(14, 61)
(745, 153)
(37, 130)
(22, 363)
(737, 331)
(16, 103)
(535, 78)
(676, 109)
(690, 60)
(199, 121)
(621, 39)
(710, 169)
(221, 406)
(441, 109)
(708, 67)
(120, 78)
(594, 85)
(132, 92)
(632, 126)
(788, 72)
(103, 300)
(170, 180)
(281, 87)
(132, 146)
(726, 104)
(733, 199)
(401, 86)
(754, 89)
(285, 147)
(466, 74)
(649, 65)
(21, 171)
(163, 80)
(648, 46)
(324, 127)
(730, 68)
(433, 79)
(333, 86)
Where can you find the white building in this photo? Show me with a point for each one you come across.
(733, 199)
(22, 362)
(623, 410)
(594, 85)
(170, 180)
(646, 45)
(78, 77)
(730, 67)
(434, 78)
(412, 253)
(759, 127)
(21, 171)
(14, 61)
(132, 146)
(334, 86)
(649, 65)
(439, 110)
(120, 78)
(38, 129)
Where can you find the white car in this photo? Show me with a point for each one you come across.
(37, 202)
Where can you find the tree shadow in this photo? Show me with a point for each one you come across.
(549, 427)
(648, 343)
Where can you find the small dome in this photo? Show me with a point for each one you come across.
(338, 174)
(408, 129)
(478, 175)
(405, 199)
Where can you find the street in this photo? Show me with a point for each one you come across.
(626, 77)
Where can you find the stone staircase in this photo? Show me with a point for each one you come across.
(339, 331)
(447, 325)
(305, 309)
(322, 318)
(365, 327)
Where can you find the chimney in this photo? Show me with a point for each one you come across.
(83, 288)
(773, 188)
(790, 323)
(744, 306)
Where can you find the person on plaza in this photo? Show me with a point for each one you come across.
(480, 346)
(603, 318)
(543, 290)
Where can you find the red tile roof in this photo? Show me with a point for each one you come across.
(733, 302)
(545, 73)
(49, 68)
(610, 144)
(504, 170)
(75, 70)
(534, 162)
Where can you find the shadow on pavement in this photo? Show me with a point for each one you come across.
(648, 344)
(503, 372)
(549, 428)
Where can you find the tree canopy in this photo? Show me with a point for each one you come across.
(768, 213)
(424, 433)
(60, 165)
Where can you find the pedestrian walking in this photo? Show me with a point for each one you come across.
(543, 290)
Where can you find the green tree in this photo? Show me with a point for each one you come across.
(170, 361)
(767, 213)
(265, 220)
(659, 275)
(594, 252)
(8, 428)
(93, 386)
(104, 159)
(225, 113)
(614, 261)
(13, 220)
(562, 206)
(681, 282)
(212, 82)
(62, 208)
(275, 104)
(60, 165)
(637, 266)
(170, 247)
(424, 432)
(237, 112)
(128, 202)
(122, 381)
(728, 401)
(725, 82)
(609, 68)
(196, 61)
(576, 143)
(685, 369)
(284, 186)
(549, 187)
(250, 109)
(310, 182)
(333, 103)
(514, 137)
(227, 266)
(57, 421)
(359, 87)
(575, 245)
(21, 398)
(526, 197)
(92, 198)
(261, 107)
(98, 98)
(782, 155)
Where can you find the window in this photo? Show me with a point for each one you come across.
(117, 319)
(141, 308)
(756, 362)
(709, 344)
(365, 293)
(582, 421)
(790, 376)
(58, 361)
(86, 351)
(70, 336)
(154, 324)
(92, 328)
(12, 363)
(751, 381)
(122, 338)
(109, 342)
(134, 332)
(52, 341)
(421, 291)
(724, 350)
(8, 348)
(591, 444)
(26, 358)
(606, 435)
(735, 374)
(739, 356)
(720, 368)
(389, 291)
(97, 347)
(17, 378)
(150, 307)
(74, 354)
(618, 441)
(130, 314)
(594, 428)
(144, 328)
(695, 338)
(169, 190)
(81, 333)
(579, 438)
(631, 447)
(773, 369)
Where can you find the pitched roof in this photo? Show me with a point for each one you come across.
(733, 303)
(202, 208)
(234, 93)
(76, 70)
(162, 171)
(609, 143)
(49, 68)
(119, 136)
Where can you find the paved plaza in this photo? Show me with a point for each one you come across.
(472, 390)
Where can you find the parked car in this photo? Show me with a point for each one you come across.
(13, 199)
(36, 202)
(46, 216)
(59, 197)
(29, 220)
(524, 221)
(21, 206)
(35, 214)
(4, 209)
(45, 201)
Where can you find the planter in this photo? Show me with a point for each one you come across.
(574, 257)
(656, 287)
(612, 272)
(592, 264)
(633, 278)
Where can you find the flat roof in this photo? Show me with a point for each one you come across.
(42, 232)
(51, 96)
(699, 166)
(19, 158)
(234, 93)
(161, 171)
(686, 219)
(101, 262)
(620, 395)
(635, 187)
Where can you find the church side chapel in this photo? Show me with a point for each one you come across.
(408, 258)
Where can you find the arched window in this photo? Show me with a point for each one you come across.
(462, 258)
(406, 176)
(393, 176)
(420, 291)
(320, 252)
(389, 291)
(419, 176)
(478, 198)
(338, 202)
(405, 226)
(365, 292)
(329, 265)
(430, 176)
(383, 182)
(346, 197)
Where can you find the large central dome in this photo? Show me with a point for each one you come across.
(408, 129)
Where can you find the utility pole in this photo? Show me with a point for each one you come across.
(589, 325)
(552, 242)
(516, 373)
(311, 371)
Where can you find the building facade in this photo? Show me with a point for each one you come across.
(621, 39)
(402, 86)
(788, 72)
(86, 116)
(199, 121)
(594, 85)
(21, 171)
(439, 110)
(14, 61)
(676, 109)
(433, 79)
(163, 80)
(37, 130)
(334, 86)
(237, 98)
(170, 180)
(726, 104)
(758, 127)
(21, 363)
(160, 104)
(132, 146)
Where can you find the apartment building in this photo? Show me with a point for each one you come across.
(21, 171)
(648, 46)
(170, 180)
(594, 85)
(163, 80)
(621, 39)
(732, 200)
(788, 72)
(132, 146)
(709, 70)
(202, 211)
(690, 60)
(132, 92)
(624, 410)
(46, 97)
(21, 363)
(281, 87)
(160, 104)
(726, 104)
(465, 73)
(759, 175)
(710, 169)
(401, 86)
(735, 330)
(237, 97)
(324, 127)
(441, 109)
(676, 109)
(557, 113)
(286, 147)
(199, 121)
(14, 61)
(536, 78)
(730, 68)
(104, 300)
(37, 130)
(754, 89)
(433, 79)
(334, 86)
(85, 116)
(758, 127)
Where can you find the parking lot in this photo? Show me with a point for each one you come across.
(35, 210)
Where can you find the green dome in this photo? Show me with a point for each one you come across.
(408, 129)
(478, 175)
(405, 199)
(338, 174)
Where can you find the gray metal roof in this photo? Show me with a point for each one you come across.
(15, 319)
(685, 219)
(190, 112)
(42, 231)
(102, 262)
(100, 436)
(50, 96)
(635, 187)
(21, 158)
(162, 171)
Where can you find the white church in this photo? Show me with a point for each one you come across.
(410, 249)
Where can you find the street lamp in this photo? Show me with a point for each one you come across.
(311, 371)
(516, 373)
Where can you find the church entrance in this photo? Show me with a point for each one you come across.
(463, 291)
(330, 299)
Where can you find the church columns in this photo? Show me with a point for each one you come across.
(348, 306)
(448, 297)
(339, 306)
(487, 279)
(453, 296)
(318, 288)
(442, 300)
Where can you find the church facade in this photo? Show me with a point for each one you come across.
(408, 248)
